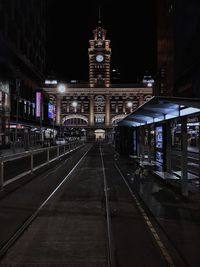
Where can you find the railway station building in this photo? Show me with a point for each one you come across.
(95, 107)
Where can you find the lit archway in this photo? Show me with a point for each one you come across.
(117, 118)
(99, 134)
(75, 120)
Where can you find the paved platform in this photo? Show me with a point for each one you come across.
(178, 216)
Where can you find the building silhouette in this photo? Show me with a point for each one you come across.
(178, 65)
(22, 62)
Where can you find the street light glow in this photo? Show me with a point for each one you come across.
(129, 104)
(61, 88)
(74, 104)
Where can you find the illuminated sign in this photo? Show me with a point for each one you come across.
(159, 137)
(38, 104)
(50, 111)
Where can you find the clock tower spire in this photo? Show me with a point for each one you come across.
(99, 57)
(99, 21)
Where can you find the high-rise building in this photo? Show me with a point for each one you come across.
(22, 61)
(178, 65)
(165, 54)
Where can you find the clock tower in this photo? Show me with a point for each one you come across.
(99, 58)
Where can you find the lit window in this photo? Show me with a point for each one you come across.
(99, 119)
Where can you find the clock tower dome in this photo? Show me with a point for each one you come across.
(99, 58)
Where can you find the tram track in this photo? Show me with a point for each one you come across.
(110, 243)
(107, 201)
(111, 246)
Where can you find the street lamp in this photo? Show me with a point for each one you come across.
(74, 104)
(149, 84)
(130, 105)
(61, 89)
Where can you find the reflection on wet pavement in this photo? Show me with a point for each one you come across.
(180, 218)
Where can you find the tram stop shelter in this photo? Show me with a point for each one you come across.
(164, 132)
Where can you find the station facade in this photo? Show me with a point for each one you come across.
(97, 106)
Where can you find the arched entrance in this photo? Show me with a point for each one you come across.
(99, 134)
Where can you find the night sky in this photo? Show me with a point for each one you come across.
(130, 26)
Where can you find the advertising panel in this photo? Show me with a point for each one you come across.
(50, 111)
(159, 145)
(159, 137)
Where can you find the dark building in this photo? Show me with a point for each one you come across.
(178, 55)
(22, 61)
(165, 60)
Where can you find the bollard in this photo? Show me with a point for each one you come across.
(2, 175)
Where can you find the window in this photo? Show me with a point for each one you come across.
(193, 127)
(99, 119)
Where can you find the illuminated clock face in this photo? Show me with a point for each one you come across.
(99, 58)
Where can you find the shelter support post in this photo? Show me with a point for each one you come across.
(184, 171)
(168, 146)
(149, 143)
(142, 143)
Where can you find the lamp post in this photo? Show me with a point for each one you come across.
(60, 126)
(61, 90)
(74, 105)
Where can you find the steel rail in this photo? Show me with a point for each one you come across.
(111, 256)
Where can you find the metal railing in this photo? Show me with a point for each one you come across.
(11, 169)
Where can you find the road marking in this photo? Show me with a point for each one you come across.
(149, 224)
